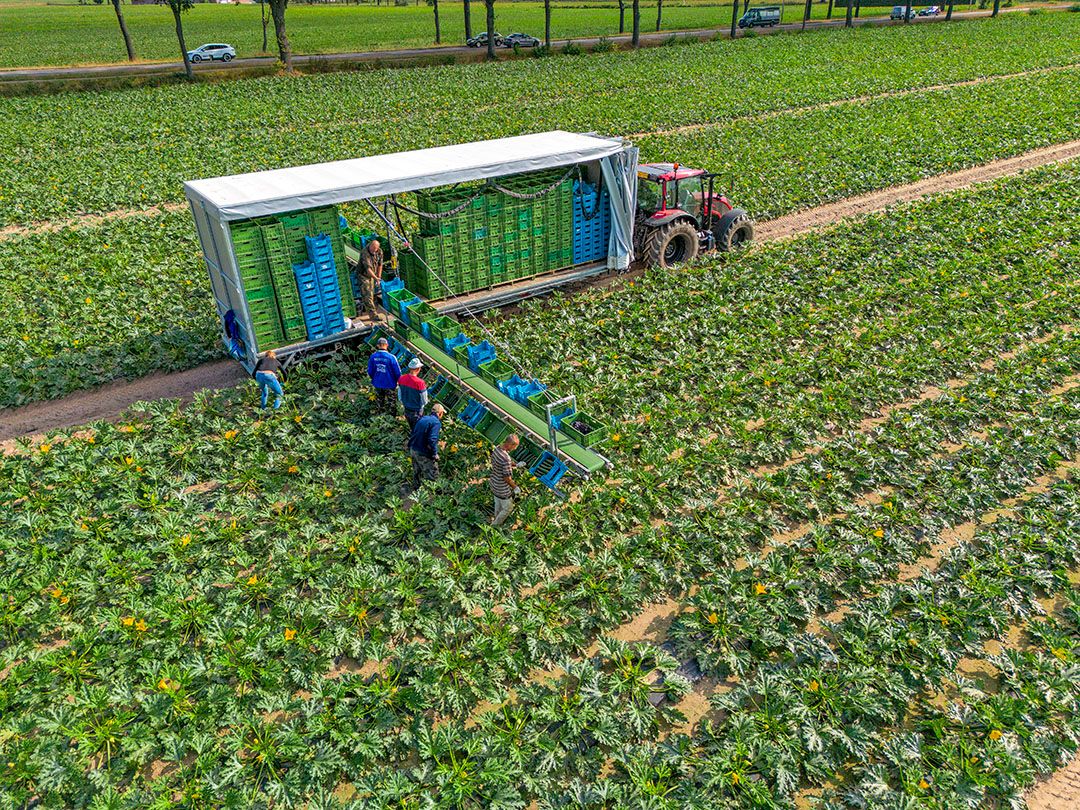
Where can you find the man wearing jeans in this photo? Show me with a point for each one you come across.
(268, 374)
(424, 446)
(501, 480)
(384, 371)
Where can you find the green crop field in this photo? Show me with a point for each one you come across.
(209, 610)
(835, 563)
(43, 34)
(146, 305)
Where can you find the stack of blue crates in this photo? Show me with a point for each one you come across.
(320, 297)
(592, 222)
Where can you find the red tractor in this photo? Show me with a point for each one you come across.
(678, 216)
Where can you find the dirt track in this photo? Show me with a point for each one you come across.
(1061, 791)
(822, 216)
(109, 401)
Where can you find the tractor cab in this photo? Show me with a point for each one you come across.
(678, 215)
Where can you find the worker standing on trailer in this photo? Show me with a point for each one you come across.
(371, 268)
(412, 393)
(424, 446)
(384, 371)
(501, 480)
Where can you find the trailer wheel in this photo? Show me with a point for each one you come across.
(733, 230)
(672, 244)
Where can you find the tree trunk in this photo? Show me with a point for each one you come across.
(907, 12)
(438, 33)
(745, 5)
(734, 17)
(547, 24)
(489, 6)
(468, 19)
(635, 38)
(806, 14)
(123, 30)
(997, 7)
(659, 13)
(948, 14)
(277, 12)
(183, 47)
(829, 15)
(265, 21)
(847, 13)
(622, 16)
(858, 8)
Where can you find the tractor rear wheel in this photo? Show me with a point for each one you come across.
(734, 229)
(672, 244)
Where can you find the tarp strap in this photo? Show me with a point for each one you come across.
(490, 184)
(579, 198)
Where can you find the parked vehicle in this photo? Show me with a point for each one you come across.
(208, 53)
(932, 11)
(763, 17)
(897, 13)
(521, 40)
(480, 40)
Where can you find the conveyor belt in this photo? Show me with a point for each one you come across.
(581, 459)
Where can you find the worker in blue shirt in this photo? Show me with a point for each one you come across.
(424, 446)
(384, 371)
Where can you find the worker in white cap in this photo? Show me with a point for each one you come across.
(412, 393)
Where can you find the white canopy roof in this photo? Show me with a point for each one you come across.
(243, 196)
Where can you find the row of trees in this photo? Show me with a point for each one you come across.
(178, 7)
(277, 15)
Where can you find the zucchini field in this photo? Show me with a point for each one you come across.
(812, 132)
(843, 493)
(835, 563)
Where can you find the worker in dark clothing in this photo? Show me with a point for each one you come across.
(384, 371)
(412, 393)
(269, 375)
(424, 446)
(371, 268)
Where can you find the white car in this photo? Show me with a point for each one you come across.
(208, 53)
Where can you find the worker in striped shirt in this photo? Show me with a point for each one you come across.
(502, 481)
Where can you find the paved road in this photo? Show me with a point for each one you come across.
(460, 52)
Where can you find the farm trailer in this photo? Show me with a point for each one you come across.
(231, 212)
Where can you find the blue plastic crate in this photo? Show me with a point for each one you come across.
(474, 411)
(449, 344)
(479, 354)
(548, 470)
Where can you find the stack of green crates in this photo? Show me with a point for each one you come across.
(254, 267)
(266, 250)
(288, 298)
(490, 237)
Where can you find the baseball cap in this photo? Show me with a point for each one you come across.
(415, 363)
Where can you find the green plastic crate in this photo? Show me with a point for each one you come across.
(492, 428)
(397, 297)
(596, 431)
(443, 327)
(420, 313)
(495, 371)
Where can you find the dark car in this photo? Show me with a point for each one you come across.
(521, 40)
(480, 40)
